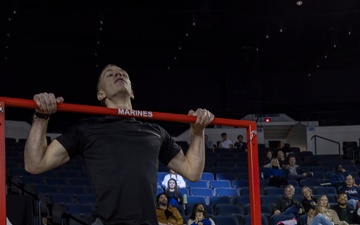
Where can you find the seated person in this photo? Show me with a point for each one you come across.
(266, 160)
(294, 171)
(337, 178)
(167, 214)
(286, 205)
(352, 192)
(275, 174)
(280, 155)
(240, 145)
(344, 212)
(324, 214)
(225, 142)
(172, 174)
(201, 218)
(208, 143)
(173, 194)
(192, 217)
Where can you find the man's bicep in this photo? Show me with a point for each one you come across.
(55, 155)
(179, 164)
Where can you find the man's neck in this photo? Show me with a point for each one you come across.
(119, 103)
(342, 205)
(162, 207)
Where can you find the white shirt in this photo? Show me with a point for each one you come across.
(179, 180)
(226, 143)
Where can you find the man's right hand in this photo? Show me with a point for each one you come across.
(47, 102)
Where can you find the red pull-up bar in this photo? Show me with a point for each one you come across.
(253, 167)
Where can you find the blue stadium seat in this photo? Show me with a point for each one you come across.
(228, 209)
(214, 200)
(196, 199)
(223, 191)
(240, 183)
(198, 191)
(229, 176)
(207, 176)
(247, 220)
(273, 191)
(225, 220)
(200, 183)
(219, 183)
(242, 200)
(320, 190)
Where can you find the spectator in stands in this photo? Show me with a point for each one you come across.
(179, 179)
(352, 192)
(192, 217)
(280, 155)
(208, 143)
(121, 153)
(286, 205)
(308, 202)
(324, 214)
(337, 178)
(173, 194)
(294, 171)
(167, 214)
(225, 142)
(240, 145)
(266, 160)
(201, 218)
(344, 212)
(275, 174)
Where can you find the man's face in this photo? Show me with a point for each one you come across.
(240, 138)
(163, 200)
(342, 199)
(289, 192)
(113, 80)
(223, 137)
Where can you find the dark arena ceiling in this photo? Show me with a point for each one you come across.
(239, 57)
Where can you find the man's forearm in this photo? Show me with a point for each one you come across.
(196, 154)
(36, 145)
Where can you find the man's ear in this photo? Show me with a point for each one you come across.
(101, 96)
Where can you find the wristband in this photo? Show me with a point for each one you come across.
(41, 115)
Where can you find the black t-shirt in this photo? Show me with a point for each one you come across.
(122, 157)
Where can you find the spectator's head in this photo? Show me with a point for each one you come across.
(172, 184)
(339, 168)
(349, 180)
(292, 160)
(200, 215)
(342, 199)
(223, 136)
(162, 200)
(323, 202)
(240, 138)
(306, 192)
(275, 163)
(269, 154)
(280, 154)
(289, 191)
(196, 207)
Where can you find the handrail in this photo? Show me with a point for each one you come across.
(327, 139)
